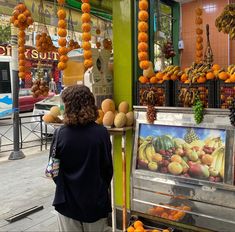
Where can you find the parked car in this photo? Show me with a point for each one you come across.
(41, 108)
(27, 101)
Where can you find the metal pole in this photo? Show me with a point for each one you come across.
(17, 153)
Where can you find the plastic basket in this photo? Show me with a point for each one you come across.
(164, 93)
(225, 94)
(205, 90)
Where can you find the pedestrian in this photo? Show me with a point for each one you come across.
(84, 149)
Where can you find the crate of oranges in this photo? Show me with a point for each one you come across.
(138, 226)
(170, 212)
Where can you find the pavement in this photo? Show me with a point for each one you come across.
(23, 186)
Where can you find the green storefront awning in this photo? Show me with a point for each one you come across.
(99, 8)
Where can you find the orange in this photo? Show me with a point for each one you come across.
(164, 215)
(86, 36)
(62, 41)
(166, 77)
(62, 23)
(86, 7)
(62, 32)
(62, 50)
(61, 2)
(86, 18)
(142, 56)
(21, 74)
(142, 26)
(61, 65)
(86, 27)
(139, 229)
(153, 80)
(174, 77)
(87, 54)
(223, 76)
(165, 231)
(86, 45)
(144, 64)
(88, 63)
(143, 5)
(138, 223)
(215, 67)
(142, 37)
(61, 14)
(184, 77)
(232, 78)
(210, 75)
(143, 79)
(130, 229)
(143, 15)
(201, 79)
(142, 47)
(160, 75)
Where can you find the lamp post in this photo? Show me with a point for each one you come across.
(16, 153)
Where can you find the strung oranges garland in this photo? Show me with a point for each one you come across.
(199, 32)
(22, 19)
(62, 33)
(143, 34)
(86, 35)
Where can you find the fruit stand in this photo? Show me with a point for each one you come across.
(183, 173)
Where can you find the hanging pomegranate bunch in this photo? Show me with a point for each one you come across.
(73, 45)
(21, 19)
(143, 34)
(40, 88)
(86, 35)
(107, 44)
(98, 43)
(62, 33)
(44, 43)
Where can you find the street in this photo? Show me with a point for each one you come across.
(30, 138)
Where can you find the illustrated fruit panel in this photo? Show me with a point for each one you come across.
(186, 152)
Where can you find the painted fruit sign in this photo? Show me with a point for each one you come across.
(183, 151)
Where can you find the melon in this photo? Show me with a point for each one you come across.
(48, 118)
(120, 120)
(99, 120)
(123, 107)
(108, 118)
(129, 118)
(108, 105)
(55, 111)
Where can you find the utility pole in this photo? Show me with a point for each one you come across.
(16, 153)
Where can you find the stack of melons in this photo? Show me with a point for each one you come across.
(53, 115)
(62, 33)
(109, 117)
(86, 35)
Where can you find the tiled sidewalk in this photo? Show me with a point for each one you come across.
(23, 186)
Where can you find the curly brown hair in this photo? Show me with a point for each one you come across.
(79, 104)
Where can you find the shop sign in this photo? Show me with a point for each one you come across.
(31, 54)
(5, 50)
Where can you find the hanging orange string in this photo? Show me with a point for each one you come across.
(143, 34)
(86, 35)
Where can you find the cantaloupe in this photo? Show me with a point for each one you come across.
(129, 118)
(108, 105)
(108, 118)
(99, 120)
(123, 107)
(48, 118)
(120, 120)
(55, 111)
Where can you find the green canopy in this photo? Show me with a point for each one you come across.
(99, 8)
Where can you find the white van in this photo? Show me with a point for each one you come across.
(5, 86)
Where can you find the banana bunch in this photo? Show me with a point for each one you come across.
(196, 70)
(214, 142)
(226, 21)
(231, 69)
(172, 70)
(218, 160)
(187, 96)
(146, 152)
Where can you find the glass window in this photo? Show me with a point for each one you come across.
(162, 33)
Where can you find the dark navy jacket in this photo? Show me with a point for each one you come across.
(85, 172)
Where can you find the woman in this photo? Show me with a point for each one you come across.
(84, 149)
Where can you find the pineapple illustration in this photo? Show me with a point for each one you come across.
(190, 135)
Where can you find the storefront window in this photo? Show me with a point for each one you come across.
(162, 33)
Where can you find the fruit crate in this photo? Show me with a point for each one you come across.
(225, 93)
(206, 93)
(164, 93)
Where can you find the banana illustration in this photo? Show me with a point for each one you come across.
(149, 151)
(222, 167)
(141, 152)
(218, 159)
